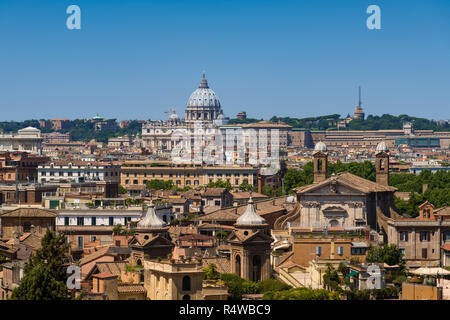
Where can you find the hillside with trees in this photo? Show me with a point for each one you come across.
(372, 122)
(81, 130)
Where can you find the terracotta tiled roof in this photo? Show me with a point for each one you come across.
(112, 267)
(195, 237)
(97, 254)
(104, 275)
(444, 211)
(130, 288)
(223, 264)
(350, 180)
(266, 124)
(232, 213)
(30, 213)
(177, 230)
(246, 195)
(215, 226)
(213, 192)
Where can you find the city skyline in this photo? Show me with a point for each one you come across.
(295, 59)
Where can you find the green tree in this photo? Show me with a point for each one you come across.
(301, 294)
(40, 284)
(156, 184)
(296, 178)
(222, 235)
(234, 284)
(271, 191)
(122, 190)
(245, 186)
(220, 184)
(272, 285)
(386, 253)
(210, 272)
(45, 273)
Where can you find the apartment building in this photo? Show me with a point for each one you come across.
(78, 171)
(137, 173)
(19, 166)
(424, 240)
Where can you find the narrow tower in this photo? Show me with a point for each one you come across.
(382, 163)
(320, 156)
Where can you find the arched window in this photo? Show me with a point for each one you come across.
(238, 265)
(139, 262)
(186, 297)
(186, 283)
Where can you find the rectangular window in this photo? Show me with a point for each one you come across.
(403, 235)
(424, 236)
(318, 251)
(340, 250)
(94, 221)
(111, 221)
(80, 243)
(447, 236)
(66, 221)
(80, 221)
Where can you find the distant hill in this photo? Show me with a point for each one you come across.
(386, 121)
(81, 130)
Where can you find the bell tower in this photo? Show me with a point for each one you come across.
(320, 156)
(382, 163)
(250, 246)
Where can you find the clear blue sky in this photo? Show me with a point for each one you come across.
(135, 59)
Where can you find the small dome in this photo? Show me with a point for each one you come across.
(151, 220)
(320, 146)
(250, 217)
(382, 147)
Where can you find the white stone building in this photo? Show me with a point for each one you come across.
(80, 171)
(28, 140)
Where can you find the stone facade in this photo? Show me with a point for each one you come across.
(173, 281)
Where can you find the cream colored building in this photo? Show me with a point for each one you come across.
(28, 139)
(139, 172)
(173, 281)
